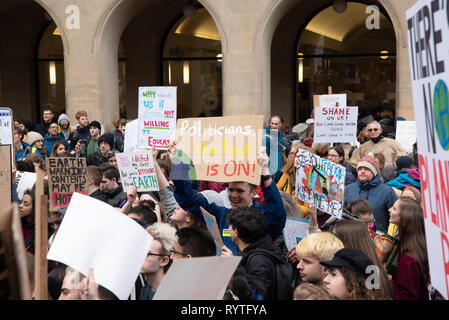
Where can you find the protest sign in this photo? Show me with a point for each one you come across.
(41, 239)
(221, 149)
(88, 238)
(335, 124)
(207, 278)
(65, 176)
(429, 59)
(406, 134)
(14, 280)
(332, 100)
(157, 117)
(130, 140)
(294, 231)
(5, 174)
(137, 170)
(320, 181)
(212, 226)
(24, 181)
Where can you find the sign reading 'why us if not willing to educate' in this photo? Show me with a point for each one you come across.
(222, 149)
(157, 117)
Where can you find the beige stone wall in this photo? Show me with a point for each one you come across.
(246, 29)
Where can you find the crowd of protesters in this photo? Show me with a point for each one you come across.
(337, 258)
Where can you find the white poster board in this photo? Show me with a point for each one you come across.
(406, 134)
(157, 117)
(202, 278)
(24, 180)
(333, 100)
(137, 170)
(95, 235)
(294, 231)
(6, 126)
(429, 71)
(335, 124)
(130, 140)
(320, 182)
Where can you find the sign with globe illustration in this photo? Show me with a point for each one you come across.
(441, 111)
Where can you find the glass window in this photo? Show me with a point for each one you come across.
(339, 50)
(50, 64)
(192, 62)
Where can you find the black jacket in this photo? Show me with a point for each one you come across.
(116, 197)
(95, 159)
(42, 128)
(79, 133)
(260, 268)
(99, 195)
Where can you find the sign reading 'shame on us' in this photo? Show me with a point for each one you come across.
(428, 36)
(65, 176)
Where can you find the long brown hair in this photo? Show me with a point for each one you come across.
(356, 286)
(55, 146)
(412, 232)
(416, 193)
(354, 234)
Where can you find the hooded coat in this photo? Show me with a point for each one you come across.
(380, 196)
(69, 129)
(260, 268)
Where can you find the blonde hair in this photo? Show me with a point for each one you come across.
(320, 245)
(165, 234)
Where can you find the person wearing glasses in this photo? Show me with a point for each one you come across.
(158, 260)
(377, 143)
(193, 243)
(336, 154)
(52, 136)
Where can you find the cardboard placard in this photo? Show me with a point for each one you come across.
(335, 124)
(294, 231)
(157, 117)
(430, 79)
(212, 226)
(5, 174)
(320, 181)
(207, 278)
(222, 149)
(65, 176)
(14, 278)
(137, 170)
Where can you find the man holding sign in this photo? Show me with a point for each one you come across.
(241, 194)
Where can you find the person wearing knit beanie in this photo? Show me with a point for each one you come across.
(370, 163)
(108, 138)
(34, 136)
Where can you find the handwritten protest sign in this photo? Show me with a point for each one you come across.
(65, 176)
(5, 174)
(24, 181)
(294, 231)
(14, 280)
(137, 170)
(430, 78)
(335, 124)
(222, 149)
(332, 100)
(212, 226)
(85, 241)
(130, 140)
(157, 117)
(207, 278)
(406, 134)
(320, 181)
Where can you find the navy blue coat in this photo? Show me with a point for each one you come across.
(380, 196)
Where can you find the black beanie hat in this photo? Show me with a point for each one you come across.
(108, 138)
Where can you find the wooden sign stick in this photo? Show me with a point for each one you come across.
(41, 240)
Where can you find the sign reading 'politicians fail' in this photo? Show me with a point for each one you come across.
(428, 36)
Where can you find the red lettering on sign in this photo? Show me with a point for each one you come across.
(445, 248)
(234, 167)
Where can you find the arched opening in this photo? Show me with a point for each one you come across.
(192, 62)
(50, 66)
(353, 52)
